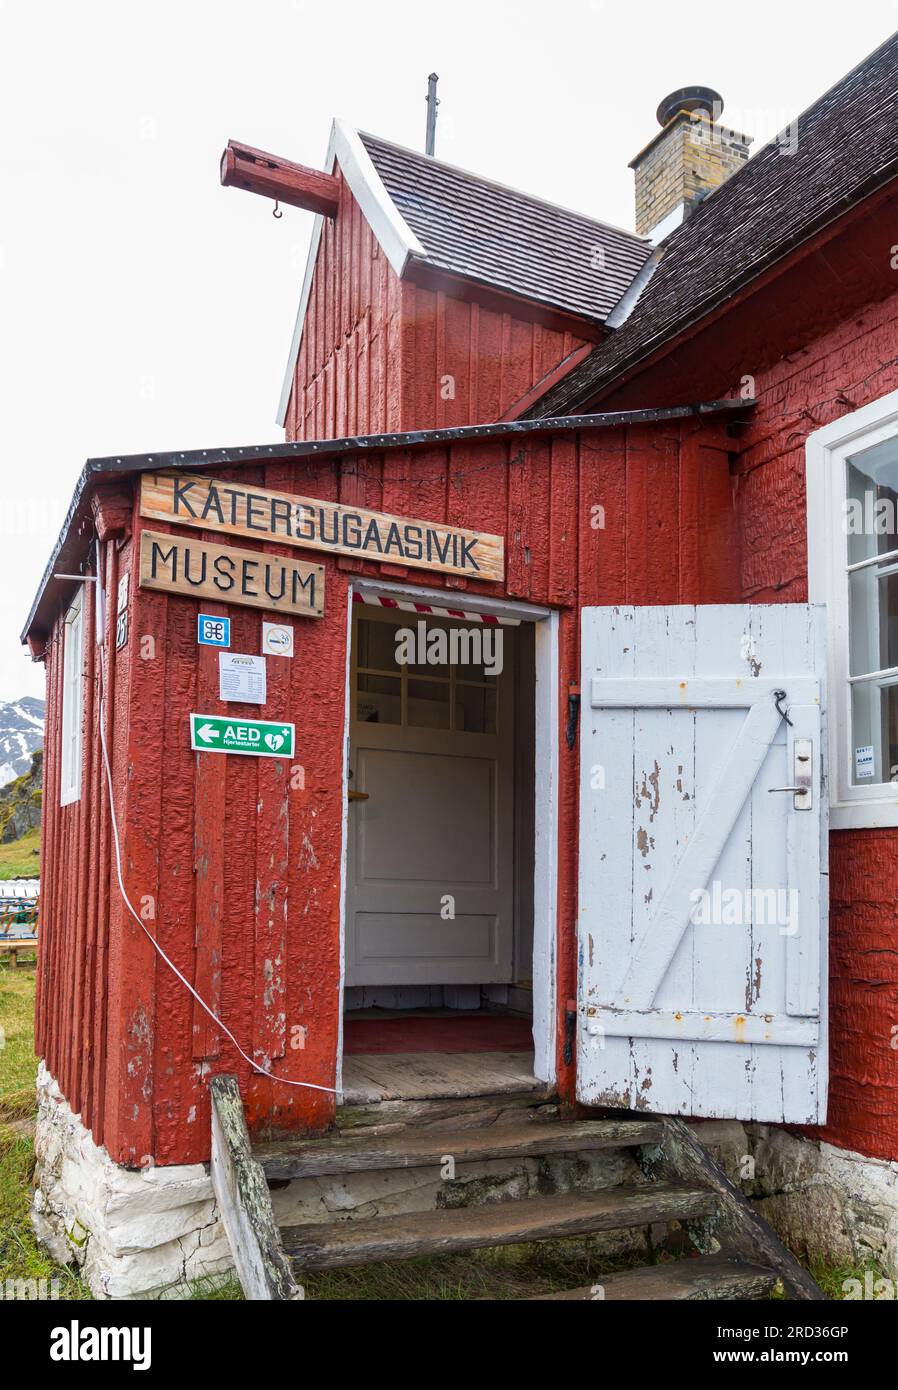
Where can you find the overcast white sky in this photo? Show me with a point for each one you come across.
(144, 307)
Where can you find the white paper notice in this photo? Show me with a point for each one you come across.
(863, 762)
(241, 677)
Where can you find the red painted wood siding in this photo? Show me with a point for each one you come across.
(237, 860)
(379, 354)
(76, 934)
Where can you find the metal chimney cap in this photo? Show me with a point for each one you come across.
(690, 99)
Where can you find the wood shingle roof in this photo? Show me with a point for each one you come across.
(494, 235)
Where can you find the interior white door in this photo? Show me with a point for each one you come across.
(703, 903)
(431, 816)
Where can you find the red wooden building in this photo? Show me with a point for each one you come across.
(652, 463)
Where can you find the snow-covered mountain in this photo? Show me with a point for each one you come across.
(21, 732)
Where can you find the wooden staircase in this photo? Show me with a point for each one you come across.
(735, 1255)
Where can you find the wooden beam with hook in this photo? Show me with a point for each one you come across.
(280, 179)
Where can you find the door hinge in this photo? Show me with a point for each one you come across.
(573, 714)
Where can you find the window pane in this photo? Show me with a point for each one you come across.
(376, 645)
(871, 516)
(874, 725)
(379, 699)
(475, 709)
(873, 619)
(428, 704)
(432, 646)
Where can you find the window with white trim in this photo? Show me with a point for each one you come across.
(852, 486)
(72, 701)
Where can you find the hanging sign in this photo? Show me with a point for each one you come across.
(259, 738)
(213, 631)
(241, 677)
(256, 512)
(181, 565)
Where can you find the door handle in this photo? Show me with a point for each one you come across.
(802, 771)
(358, 796)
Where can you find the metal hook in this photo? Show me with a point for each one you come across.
(276, 211)
(778, 697)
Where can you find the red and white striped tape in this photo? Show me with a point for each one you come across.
(405, 605)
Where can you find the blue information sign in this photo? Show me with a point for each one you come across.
(212, 631)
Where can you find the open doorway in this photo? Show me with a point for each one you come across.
(439, 897)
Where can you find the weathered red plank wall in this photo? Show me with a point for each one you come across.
(235, 862)
(72, 1006)
(379, 354)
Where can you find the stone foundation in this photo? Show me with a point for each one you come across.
(823, 1202)
(133, 1234)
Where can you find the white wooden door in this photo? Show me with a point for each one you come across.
(702, 896)
(430, 895)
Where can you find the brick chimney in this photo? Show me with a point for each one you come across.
(690, 156)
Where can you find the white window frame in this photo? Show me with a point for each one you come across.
(72, 701)
(826, 455)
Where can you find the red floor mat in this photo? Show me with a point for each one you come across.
(501, 1034)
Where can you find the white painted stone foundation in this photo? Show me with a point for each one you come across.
(134, 1234)
(823, 1202)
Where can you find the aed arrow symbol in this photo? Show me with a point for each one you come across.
(207, 732)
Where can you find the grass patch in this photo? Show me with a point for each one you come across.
(18, 1066)
(20, 1255)
(206, 1290)
(506, 1273)
(832, 1278)
(21, 858)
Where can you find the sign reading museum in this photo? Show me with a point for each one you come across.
(182, 565)
(239, 510)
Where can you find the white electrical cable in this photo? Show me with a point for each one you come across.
(307, 1085)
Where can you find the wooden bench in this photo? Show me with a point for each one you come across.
(14, 944)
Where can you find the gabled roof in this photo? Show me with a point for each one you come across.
(844, 147)
(511, 241)
(434, 215)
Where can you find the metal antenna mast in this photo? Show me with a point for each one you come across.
(433, 102)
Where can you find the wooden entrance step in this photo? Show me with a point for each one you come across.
(452, 1112)
(739, 1255)
(423, 1148)
(338, 1244)
(372, 1078)
(707, 1277)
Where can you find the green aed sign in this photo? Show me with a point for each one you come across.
(213, 733)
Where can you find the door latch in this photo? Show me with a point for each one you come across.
(570, 1032)
(573, 715)
(803, 774)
